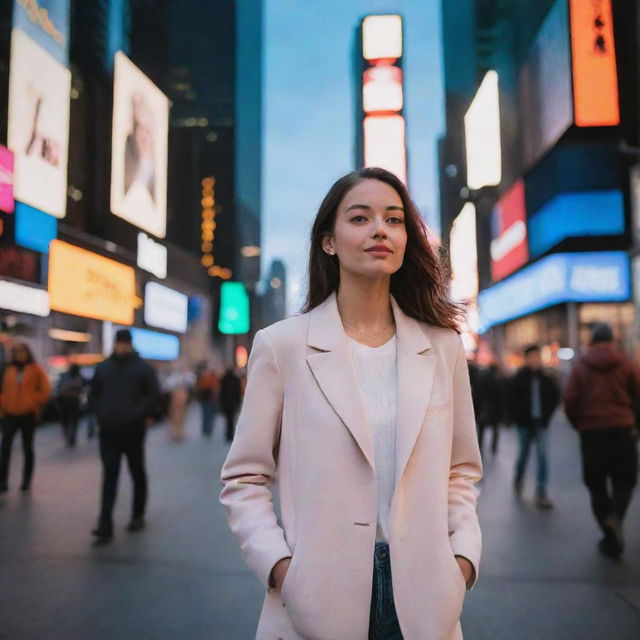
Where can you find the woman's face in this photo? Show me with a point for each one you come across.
(20, 354)
(369, 235)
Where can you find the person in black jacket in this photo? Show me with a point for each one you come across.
(533, 398)
(489, 413)
(230, 399)
(124, 392)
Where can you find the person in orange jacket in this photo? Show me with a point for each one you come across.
(25, 391)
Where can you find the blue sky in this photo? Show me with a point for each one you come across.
(308, 119)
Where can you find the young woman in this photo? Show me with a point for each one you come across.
(361, 407)
(25, 391)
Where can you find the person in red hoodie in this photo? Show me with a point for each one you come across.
(600, 400)
(25, 391)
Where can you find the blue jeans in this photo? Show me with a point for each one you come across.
(383, 621)
(208, 416)
(526, 436)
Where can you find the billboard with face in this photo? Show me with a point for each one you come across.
(139, 151)
(38, 131)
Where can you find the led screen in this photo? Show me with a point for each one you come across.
(38, 129)
(139, 149)
(574, 215)
(558, 278)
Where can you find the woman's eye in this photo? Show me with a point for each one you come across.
(395, 220)
(358, 219)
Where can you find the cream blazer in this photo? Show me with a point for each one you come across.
(304, 422)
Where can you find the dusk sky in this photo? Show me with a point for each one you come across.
(309, 123)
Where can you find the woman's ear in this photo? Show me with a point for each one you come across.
(327, 245)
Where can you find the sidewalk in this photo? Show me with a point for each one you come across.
(184, 579)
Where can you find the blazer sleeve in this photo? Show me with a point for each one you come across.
(465, 471)
(250, 468)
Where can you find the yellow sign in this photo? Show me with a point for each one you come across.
(85, 284)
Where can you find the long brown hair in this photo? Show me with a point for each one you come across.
(419, 286)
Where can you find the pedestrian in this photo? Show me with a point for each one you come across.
(230, 399)
(207, 388)
(361, 407)
(601, 399)
(533, 398)
(124, 392)
(69, 399)
(179, 383)
(490, 404)
(25, 392)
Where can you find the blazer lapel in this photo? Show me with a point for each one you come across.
(332, 367)
(416, 370)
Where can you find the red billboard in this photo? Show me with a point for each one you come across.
(509, 250)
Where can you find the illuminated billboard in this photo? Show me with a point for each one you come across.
(151, 345)
(509, 249)
(7, 202)
(23, 299)
(561, 277)
(139, 149)
(482, 135)
(34, 229)
(165, 308)
(86, 284)
(234, 308)
(384, 144)
(38, 129)
(546, 102)
(575, 215)
(47, 23)
(595, 76)
(382, 37)
(382, 89)
(464, 255)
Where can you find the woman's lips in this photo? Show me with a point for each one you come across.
(379, 251)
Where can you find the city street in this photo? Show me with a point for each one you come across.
(184, 579)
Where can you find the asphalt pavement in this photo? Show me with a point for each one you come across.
(183, 577)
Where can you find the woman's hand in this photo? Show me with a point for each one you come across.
(466, 568)
(279, 572)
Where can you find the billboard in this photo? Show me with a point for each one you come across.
(38, 129)
(47, 23)
(561, 277)
(234, 308)
(464, 255)
(595, 76)
(23, 299)
(575, 215)
(99, 288)
(165, 308)
(7, 202)
(482, 135)
(384, 144)
(546, 103)
(151, 345)
(382, 37)
(508, 248)
(139, 149)
(34, 229)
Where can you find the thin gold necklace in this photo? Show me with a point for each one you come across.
(369, 336)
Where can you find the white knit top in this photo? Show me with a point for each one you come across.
(376, 368)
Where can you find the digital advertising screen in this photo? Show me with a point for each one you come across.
(464, 255)
(7, 202)
(47, 23)
(598, 276)
(139, 149)
(482, 135)
(38, 129)
(576, 215)
(545, 91)
(509, 250)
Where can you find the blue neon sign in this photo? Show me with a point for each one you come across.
(575, 215)
(562, 277)
(34, 228)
